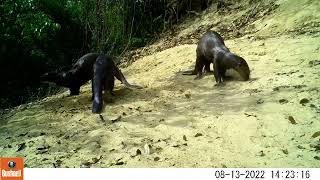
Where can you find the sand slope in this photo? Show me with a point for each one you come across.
(272, 120)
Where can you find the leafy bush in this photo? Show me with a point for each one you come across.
(44, 35)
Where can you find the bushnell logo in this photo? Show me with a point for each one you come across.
(12, 165)
(11, 169)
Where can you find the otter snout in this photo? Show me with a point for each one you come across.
(244, 72)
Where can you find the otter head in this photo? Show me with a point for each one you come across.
(61, 79)
(68, 79)
(241, 66)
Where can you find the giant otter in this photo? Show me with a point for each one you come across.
(211, 49)
(81, 72)
(103, 78)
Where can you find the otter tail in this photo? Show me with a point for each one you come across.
(98, 83)
(97, 96)
(118, 74)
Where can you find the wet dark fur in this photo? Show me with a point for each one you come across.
(103, 78)
(211, 49)
(81, 72)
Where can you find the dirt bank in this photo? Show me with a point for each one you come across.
(272, 120)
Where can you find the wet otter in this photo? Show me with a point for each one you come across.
(103, 78)
(211, 49)
(81, 72)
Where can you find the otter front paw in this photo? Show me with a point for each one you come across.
(198, 77)
(219, 84)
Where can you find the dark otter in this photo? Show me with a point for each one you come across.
(103, 78)
(211, 49)
(81, 72)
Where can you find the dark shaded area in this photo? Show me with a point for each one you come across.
(39, 36)
(35, 38)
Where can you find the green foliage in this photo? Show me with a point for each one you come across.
(31, 43)
(38, 36)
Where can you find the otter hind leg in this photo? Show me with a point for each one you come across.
(109, 84)
(200, 63)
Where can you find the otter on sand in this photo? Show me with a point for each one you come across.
(81, 72)
(211, 49)
(103, 78)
